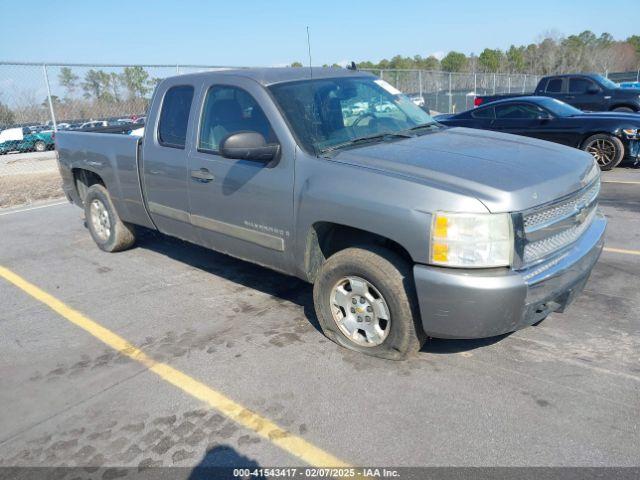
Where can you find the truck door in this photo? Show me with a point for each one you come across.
(164, 157)
(242, 207)
(584, 94)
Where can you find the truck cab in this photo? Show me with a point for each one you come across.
(590, 92)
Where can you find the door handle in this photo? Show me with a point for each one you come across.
(203, 175)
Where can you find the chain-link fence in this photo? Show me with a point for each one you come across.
(43, 97)
(68, 96)
(455, 92)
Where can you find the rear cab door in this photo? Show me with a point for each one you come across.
(241, 207)
(164, 157)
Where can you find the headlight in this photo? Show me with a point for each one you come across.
(471, 240)
(631, 132)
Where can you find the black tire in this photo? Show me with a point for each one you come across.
(40, 146)
(119, 236)
(392, 276)
(609, 155)
(624, 109)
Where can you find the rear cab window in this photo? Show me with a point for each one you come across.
(518, 111)
(554, 85)
(174, 116)
(487, 113)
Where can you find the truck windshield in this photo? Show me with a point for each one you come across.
(605, 82)
(328, 113)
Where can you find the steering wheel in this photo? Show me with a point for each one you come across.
(362, 117)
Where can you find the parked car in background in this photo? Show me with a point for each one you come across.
(418, 100)
(140, 120)
(588, 92)
(406, 228)
(94, 124)
(21, 139)
(608, 136)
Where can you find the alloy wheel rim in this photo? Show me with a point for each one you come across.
(100, 220)
(604, 151)
(360, 311)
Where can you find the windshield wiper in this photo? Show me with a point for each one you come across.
(424, 125)
(367, 139)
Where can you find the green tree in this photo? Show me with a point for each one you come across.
(137, 82)
(68, 80)
(515, 57)
(490, 60)
(54, 99)
(96, 84)
(296, 64)
(454, 62)
(115, 83)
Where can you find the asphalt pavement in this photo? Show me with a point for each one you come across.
(563, 393)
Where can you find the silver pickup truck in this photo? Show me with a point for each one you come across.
(405, 227)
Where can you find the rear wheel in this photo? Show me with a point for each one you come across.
(608, 150)
(365, 301)
(109, 232)
(40, 146)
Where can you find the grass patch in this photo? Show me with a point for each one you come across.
(29, 187)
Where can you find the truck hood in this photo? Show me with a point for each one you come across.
(505, 172)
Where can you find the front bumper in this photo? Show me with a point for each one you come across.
(457, 303)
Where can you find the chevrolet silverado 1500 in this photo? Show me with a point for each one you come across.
(406, 228)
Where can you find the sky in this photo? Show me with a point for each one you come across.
(273, 33)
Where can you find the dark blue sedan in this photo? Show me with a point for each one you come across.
(608, 136)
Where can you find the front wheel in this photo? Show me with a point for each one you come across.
(40, 146)
(109, 232)
(365, 300)
(608, 150)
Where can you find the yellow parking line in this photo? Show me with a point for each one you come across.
(622, 250)
(264, 427)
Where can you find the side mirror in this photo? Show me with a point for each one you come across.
(592, 90)
(543, 116)
(248, 146)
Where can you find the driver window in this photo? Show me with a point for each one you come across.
(230, 110)
(517, 111)
(580, 85)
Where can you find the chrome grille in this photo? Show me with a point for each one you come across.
(565, 209)
(543, 248)
(551, 228)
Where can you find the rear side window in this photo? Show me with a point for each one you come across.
(483, 113)
(174, 117)
(518, 111)
(554, 85)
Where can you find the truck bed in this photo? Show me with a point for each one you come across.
(116, 159)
